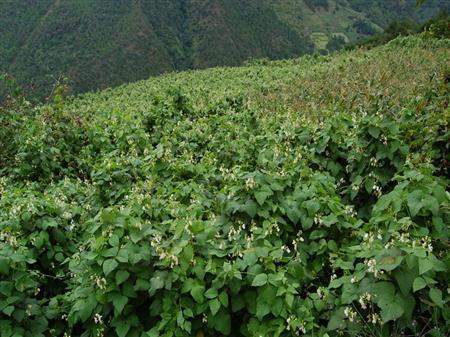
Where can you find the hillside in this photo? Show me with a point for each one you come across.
(100, 43)
(296, 197)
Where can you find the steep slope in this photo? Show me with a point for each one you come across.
(227, 32)
(103, 43)
(18, 21)
(94, 42)
(302, 197)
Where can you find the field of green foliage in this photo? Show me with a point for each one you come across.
(293, 198)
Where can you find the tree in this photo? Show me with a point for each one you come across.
(419, 2)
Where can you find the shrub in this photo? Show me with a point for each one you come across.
(183, 219)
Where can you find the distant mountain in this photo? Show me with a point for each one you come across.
(102, 43)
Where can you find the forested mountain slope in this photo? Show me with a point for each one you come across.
(102, 43)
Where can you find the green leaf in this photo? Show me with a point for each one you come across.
(223, 298)
(122, 329)
(52, 223)
(4, 266)
(261, 196)
(221, 322)
(156, 283)
(383, 290)
(214, 306)
(268, 294)
(431, 204)
(141, 285)
(136, 236)
(369, 183)
(374, 131)
(277, 307)
(187, 286)
(382, 203)
(317, 234)
(337, 320)
(289, 299)
(211, 293)
(121, 276)
(436, 297)
(154, 332)
(430, 281)
(111, 252)
(180, 318)
(425, 265)
(250, 207)
(389, 263)
(188, 313)
(262, 309)
(437, 264)
(114, 240)
(237, 303)
(293, 214)
(250, 258)
(259, 280)
(415, 202)
(392, 310)
(85, 307)
(197, 293)
(419, 283)
(312, 206)
(405, 278)
(119, 301)
(336, 283)
(329, 220)
(8, 310)
(109, 266)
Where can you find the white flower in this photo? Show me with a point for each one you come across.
(371, 265)
(320, 293)
(99, 281)
(250, 183)
(364, 299)
(98, 319)
(377, 190)
(350, 314)
(374, 318)
(285, 249)
(350, 210)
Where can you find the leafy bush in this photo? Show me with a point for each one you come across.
(313, 4)
(181, 218)
(363, 27)
(336, 42)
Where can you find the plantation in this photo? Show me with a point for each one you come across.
(303, 197)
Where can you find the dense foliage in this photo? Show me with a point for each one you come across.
(437, 26)
(189, 205)
(315, 4)
(99, 43)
